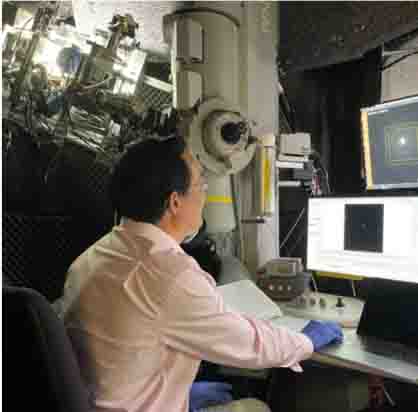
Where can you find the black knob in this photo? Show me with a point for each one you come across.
(340, 302)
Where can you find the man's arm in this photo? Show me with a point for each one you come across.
(196, 322)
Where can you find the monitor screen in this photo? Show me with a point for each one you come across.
(390, 144)
(364, 236)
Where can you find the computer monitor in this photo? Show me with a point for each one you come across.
(374, 237)
(390, 144)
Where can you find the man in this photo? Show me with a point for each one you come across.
(141, 313)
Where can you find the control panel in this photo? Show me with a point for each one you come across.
(323, 306)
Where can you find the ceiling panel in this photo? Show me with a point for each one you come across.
(315, 34)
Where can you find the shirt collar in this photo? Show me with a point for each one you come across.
(160, 240)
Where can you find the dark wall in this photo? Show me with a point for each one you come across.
(318, 34)
(329, 64)
(347, 88)
(55, 204)
(327, 104)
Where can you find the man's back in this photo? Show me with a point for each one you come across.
(114, 311)
(142, 315)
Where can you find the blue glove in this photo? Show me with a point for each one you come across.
(323, 333)
(204, 394)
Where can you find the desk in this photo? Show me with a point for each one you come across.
(356, 353)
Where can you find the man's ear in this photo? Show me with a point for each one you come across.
(174, 203)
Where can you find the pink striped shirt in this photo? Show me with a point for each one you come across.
(142, 315)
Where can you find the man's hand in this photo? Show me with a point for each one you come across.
(204, 394)
(323, 333)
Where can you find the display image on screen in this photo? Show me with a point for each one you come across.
(401, 144)
(373, 237)
(363, 229)
(390, 144)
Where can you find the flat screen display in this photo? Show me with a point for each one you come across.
(373, 237)
(390, 144)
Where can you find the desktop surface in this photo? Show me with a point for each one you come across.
(374, 356)
(376, 238)
(368, 355)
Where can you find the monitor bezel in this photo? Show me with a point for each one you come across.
(371, 196)
(367, 161)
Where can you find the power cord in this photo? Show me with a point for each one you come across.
(316, 157)
(292, 228)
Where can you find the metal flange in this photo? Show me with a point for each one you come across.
(219, 157)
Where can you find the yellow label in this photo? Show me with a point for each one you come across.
(267, 194)
(338, 275)
(219, 199)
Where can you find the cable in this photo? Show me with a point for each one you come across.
(388, 397)
(397, 60)
(324, 171)
(315, 286)
(287, 111)
(317, 173)
(94, 86)
(288, 127)
(292, 228)
(301, 236)
(18, 39)
(322, 168)
(353, 288)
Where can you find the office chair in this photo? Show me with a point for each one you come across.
(40, 371)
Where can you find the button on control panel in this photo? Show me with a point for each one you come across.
(323, 306)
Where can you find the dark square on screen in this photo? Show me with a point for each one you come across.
(363, 230)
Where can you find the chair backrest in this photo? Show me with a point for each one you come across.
(40, 370)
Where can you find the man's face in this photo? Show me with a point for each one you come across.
(194, 199)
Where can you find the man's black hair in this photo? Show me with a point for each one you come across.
(145, 176)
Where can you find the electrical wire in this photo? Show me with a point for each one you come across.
(322, 168)
(94, 86)
(292, 228)
(316, 186)
(301, 236)
(315, 286)
(18, 39)
(353, 288)
(388, 397)
(288, 127)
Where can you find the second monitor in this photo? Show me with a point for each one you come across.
(373, 237)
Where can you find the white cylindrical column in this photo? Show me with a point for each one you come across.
(218, 212)
(204, 57)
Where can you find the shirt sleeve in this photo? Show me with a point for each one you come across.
(197, 322)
